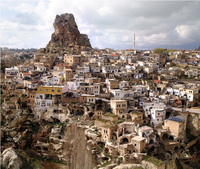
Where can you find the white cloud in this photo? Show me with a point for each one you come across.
(24, 7)
(13, 41)
(107, 23)
(189, 32)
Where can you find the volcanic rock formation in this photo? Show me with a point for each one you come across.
(67, 37)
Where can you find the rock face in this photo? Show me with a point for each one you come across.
(67, 37)
(10, 159)
(76, 151)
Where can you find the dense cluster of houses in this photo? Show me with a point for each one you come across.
(129, 93)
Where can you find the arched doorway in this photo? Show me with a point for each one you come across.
(171, 138)
(91, 114)
(114, 136)
(151, 141)
(176, 149)
(165, 136)
(106, 150)
(124, 140)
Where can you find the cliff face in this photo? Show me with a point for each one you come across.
(67, 37)
(62, 142)
(76, 150)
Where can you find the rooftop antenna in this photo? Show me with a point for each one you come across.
(134, 42)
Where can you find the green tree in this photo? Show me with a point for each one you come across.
(160, 51)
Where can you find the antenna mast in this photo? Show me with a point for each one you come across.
(134, 42)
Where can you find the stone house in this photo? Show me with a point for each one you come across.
(108, 132)
(68, 74)
(119, 107)
(126, 128)
(85, 88)
(154, 57)
(92, 80)
(31, 98)
(147, 133)
(123, 84)
(74, 60)
(140, 90)
(112, 84)
(110, 69)
(137, 117)
(176, 126)
(139, 143)
(126, 149)
(87, 98)
(30, 84)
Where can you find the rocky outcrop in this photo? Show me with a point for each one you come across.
(10, 159)
(193, 124)
(76, 151)
(67, 37)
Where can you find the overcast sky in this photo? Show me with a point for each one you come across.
(108, 23)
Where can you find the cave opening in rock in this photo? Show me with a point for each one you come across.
(165, 136)
(171, 138)
(91, 114)
(124, 140)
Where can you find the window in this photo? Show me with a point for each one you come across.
(58, 91)
(157, 119)
(41, 90)
(46, 90)
(52, 90)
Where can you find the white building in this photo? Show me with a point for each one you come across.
(96, 88)
(123, 84)
(155, 111)
(43, 101)
(11, 72)
(140, 90)
(110, 69)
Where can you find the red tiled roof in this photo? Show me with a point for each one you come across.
(97, 53)
(156, 81)
(67, 66)
(192, 59)
(26, 73)
(114, 54)
(178, 102)
(59, 65)
(129, 49)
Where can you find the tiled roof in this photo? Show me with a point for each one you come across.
(26, 73)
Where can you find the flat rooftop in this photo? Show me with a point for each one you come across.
(138, 138)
